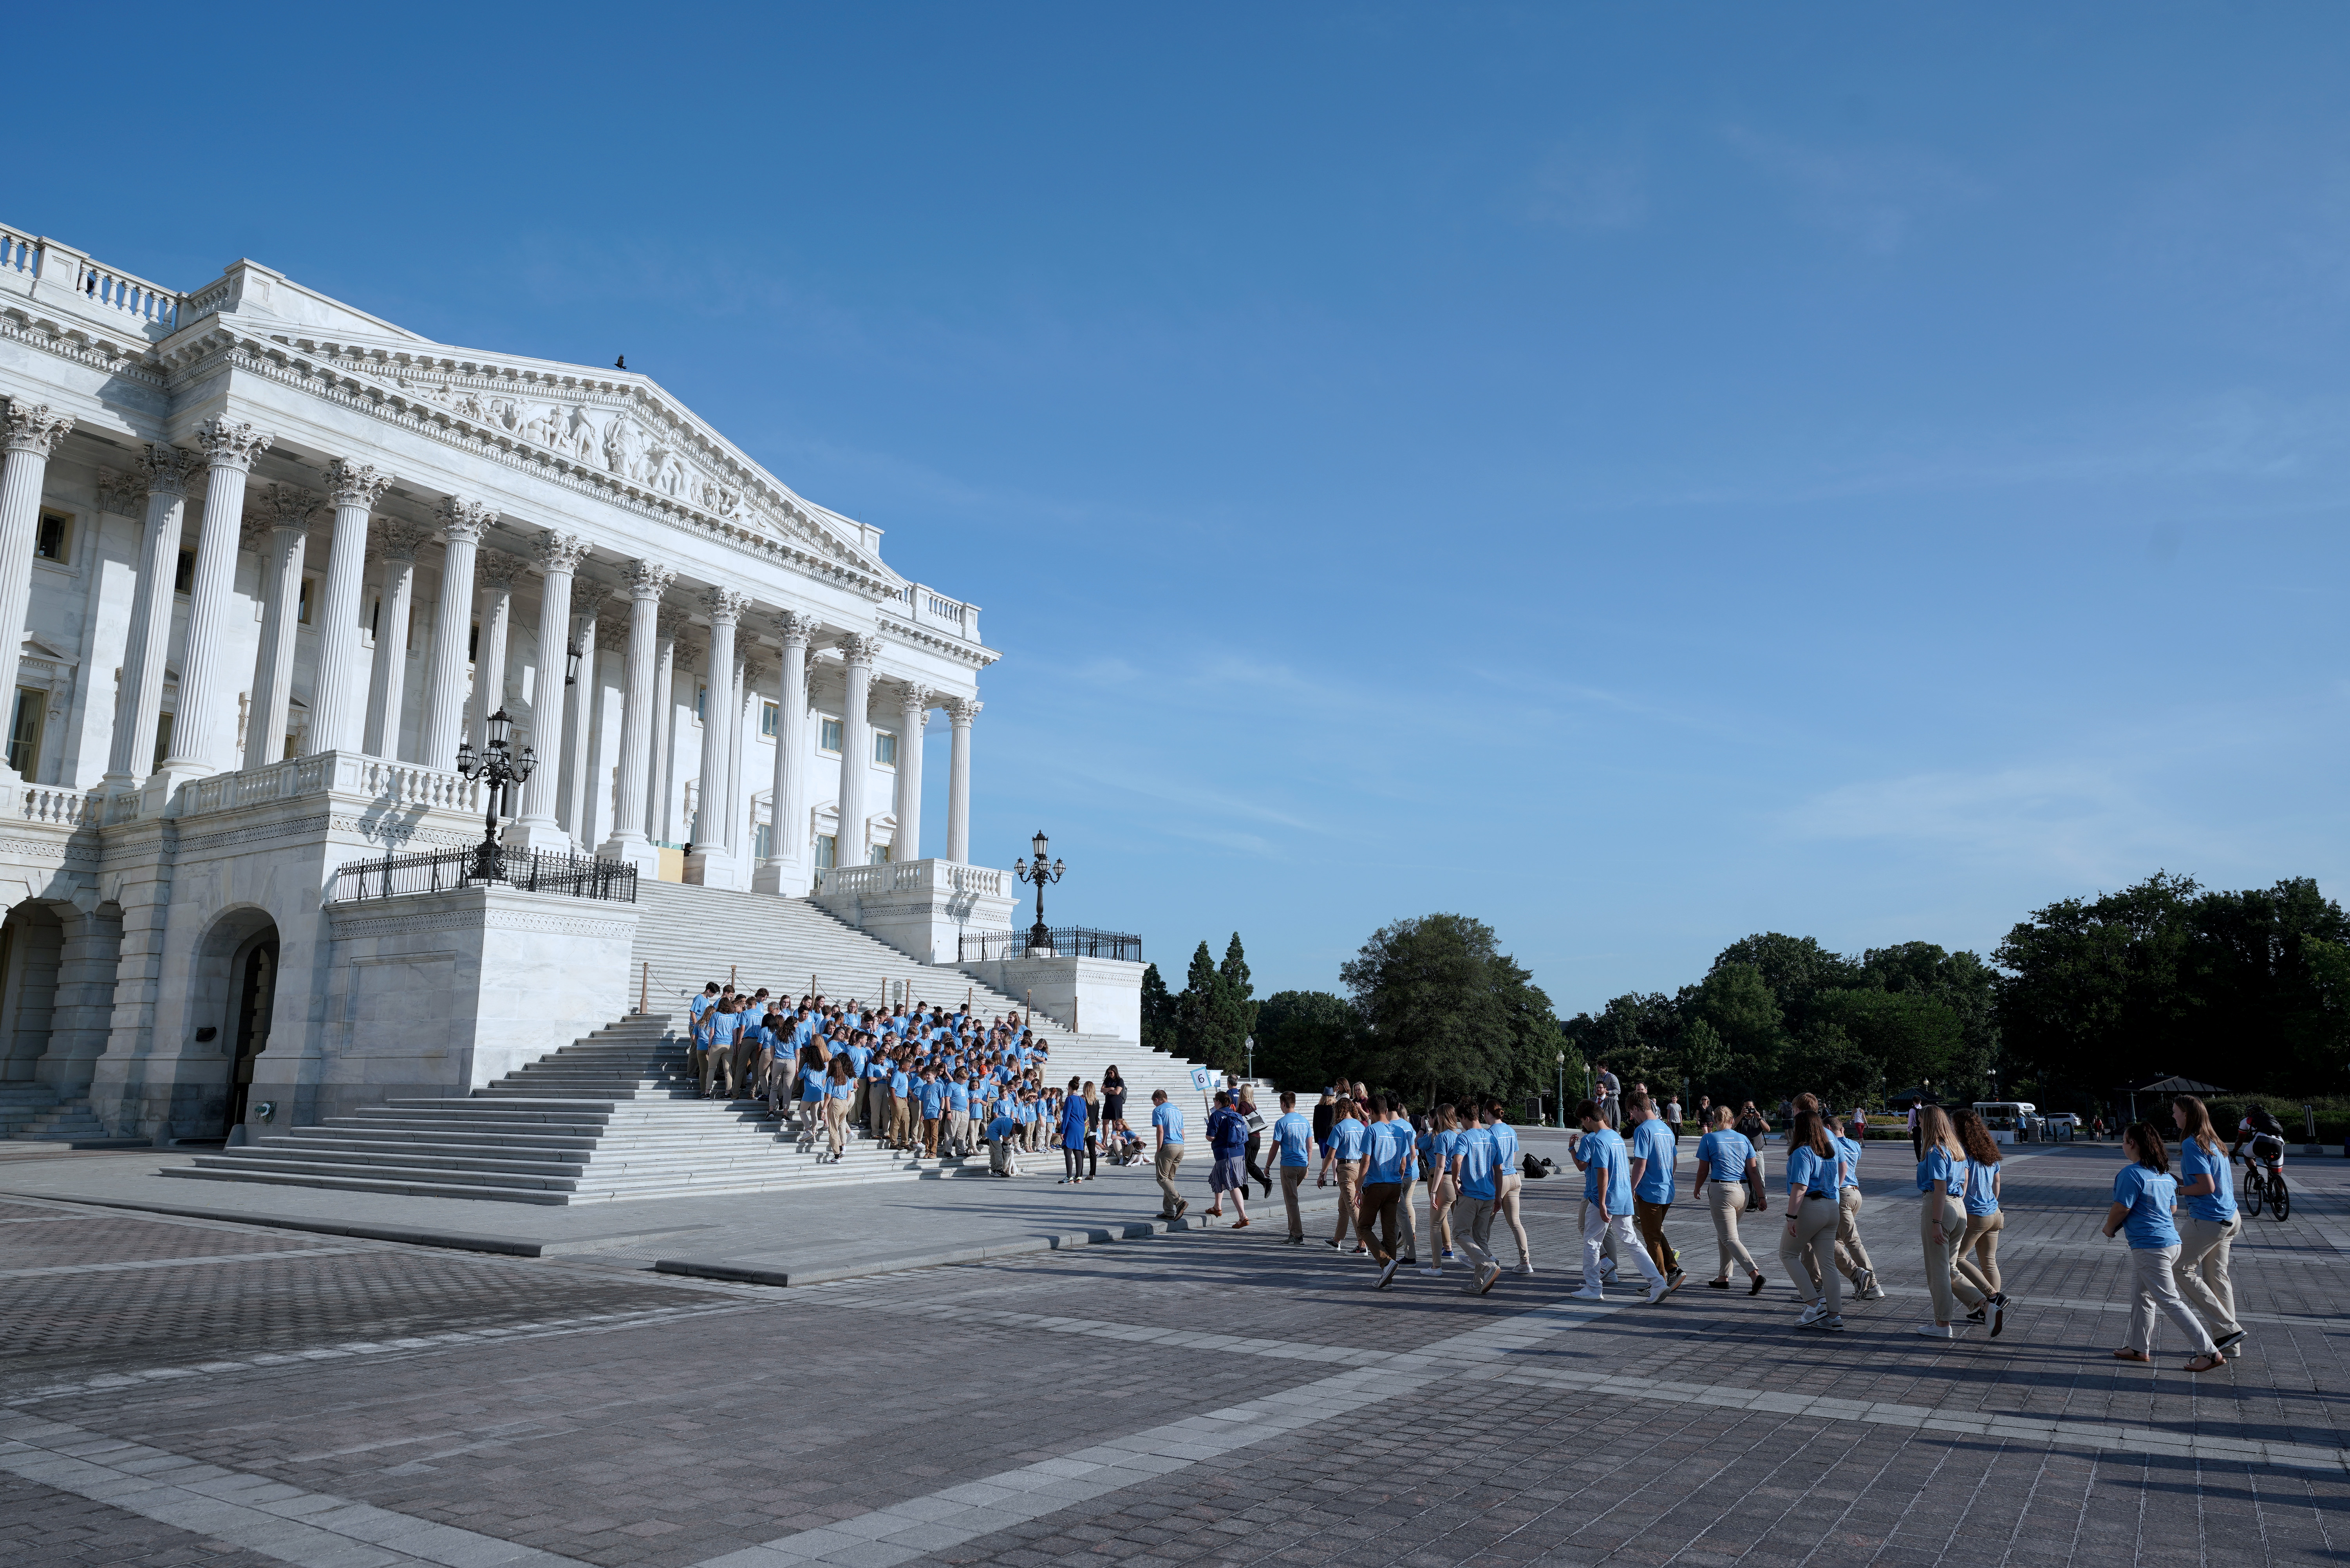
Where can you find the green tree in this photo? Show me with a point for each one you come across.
(1306, 1039)
(1904, 1037)
(1796, 970)
(1445, 1013)
(1208, 1020)
(1159, 1030)
(1238, 992)
(1738, 1003)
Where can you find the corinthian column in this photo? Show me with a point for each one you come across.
(33, 434)
(913, 713)
(401, 543)
(960, 713)
(784, 870)
(204, 733)
(711, 864)
(747, 674)
(289, 507)
(559, 555)
(339, 704)
(857, 653)
(675, 663)
(139, 710)
(579, 711)
(646, 581)
(462, 524)
(495, 573)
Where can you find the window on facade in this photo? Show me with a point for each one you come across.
(829, 735)
(184, 579)
(826, 845)
(885, 748)
(878, 855)
(770, 720)
(700, 702)
(55, 540)
(302, 610)
(162, 742)
(25, 731)
(763, 841)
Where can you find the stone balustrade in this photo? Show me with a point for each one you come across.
(63, 808)
(946, 876)
(33, 263)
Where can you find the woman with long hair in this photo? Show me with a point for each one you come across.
(1723, 1158)
(2208, 1225)
(1113, 1091)
(1436, 1147)
(1814, 1182)
(838, 1086)
(1093, 1130)
(2144, 1193)
(1978, 1256)
(1941, 1220)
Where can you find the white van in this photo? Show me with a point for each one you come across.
(2007, 1120)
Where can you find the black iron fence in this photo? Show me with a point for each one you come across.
(1068, 941)
(579, 876)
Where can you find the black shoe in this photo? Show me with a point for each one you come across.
(1980, 1313)
(1998, 1315)
(1758, 1286)
(2232, 1337)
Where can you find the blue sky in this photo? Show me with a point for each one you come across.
(1637, 475)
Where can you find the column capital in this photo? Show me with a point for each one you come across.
(670, 623)
(167, 469)
(400, 540)
(587, 601)
(32, 428)
(230, 443)
(461, 519)
(796, 626)
(498, 569)
(560, 553)
(961, 711)
(647, 579)
(124, 495)
(289, 507)
(724, 604)
(915, 698)
(353, 484)
(860, 648)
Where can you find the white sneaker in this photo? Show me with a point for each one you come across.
(1659, 1290)
(1433, 1273)
(1607, 1270)
(1814, 1315)
(1938, 1331)
(1587, 1293)
(1525, 1268)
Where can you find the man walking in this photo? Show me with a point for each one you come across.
(1167, 1122)
(1228, 1159)
(1387, 1145)
(1293, 1139)
(1607, 1204)
(1344, 1150)
(1652, 1151)
(1509, 1176)
(1473, 1211)
(1608, 1091)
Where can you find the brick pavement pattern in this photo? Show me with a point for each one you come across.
(175, 1390)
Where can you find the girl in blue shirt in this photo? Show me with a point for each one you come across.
(1977, 1259)
(1724, 1156)
(2206, 1229)
(1814, 1185)
(2144, 1193)
(1443, 1187)
(1942, 1220)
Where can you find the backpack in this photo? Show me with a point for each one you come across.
(1536, 1169)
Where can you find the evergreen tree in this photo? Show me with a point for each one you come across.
(1159, 1031)
(1234, 973)
(1208, 1022)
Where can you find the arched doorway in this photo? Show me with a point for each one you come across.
(31, 945)
(253, 996)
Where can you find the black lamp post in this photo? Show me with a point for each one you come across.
(1040, 874)
(501, 772)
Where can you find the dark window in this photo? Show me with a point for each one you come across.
(184, 581)
(54, 541)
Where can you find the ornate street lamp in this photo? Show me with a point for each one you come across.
(1040, 874)
(1562, 1089)
(501, 772)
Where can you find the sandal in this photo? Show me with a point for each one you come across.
(2207, 1364)
(2132, 1355)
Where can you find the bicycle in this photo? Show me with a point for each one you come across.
(2262, 1183)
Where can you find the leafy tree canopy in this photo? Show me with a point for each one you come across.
(1447, 1013)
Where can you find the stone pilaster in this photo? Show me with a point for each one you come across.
(711, 863)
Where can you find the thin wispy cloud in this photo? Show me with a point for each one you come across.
(1874, 196)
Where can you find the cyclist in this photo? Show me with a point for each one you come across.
(2260, 1129)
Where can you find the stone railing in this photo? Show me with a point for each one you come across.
(32, 265)
(64, 808)
(925, 608)
(918, 876)
(378, 779)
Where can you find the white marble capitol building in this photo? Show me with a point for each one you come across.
(275, 560)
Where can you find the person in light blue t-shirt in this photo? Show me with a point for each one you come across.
(1293, 1143)
(1167, 1123)
(1724, 1156)
(1606, 1169)
(1807, 1247)
(1977, 1259)
(2208, 1225)
(2144, 1194)
(1472, 1210)
(1348, 1134)
(1650, 1149)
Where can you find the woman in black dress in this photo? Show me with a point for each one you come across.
(1113, 1094)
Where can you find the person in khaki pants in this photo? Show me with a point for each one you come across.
(2208, 1225)
(1292, 1152)
(1978, 1256)
(1344, 1151)
(1440, 1144)
(1851, 1255)
(1942, 1220)
(1167, 1122)
(1723, 1158)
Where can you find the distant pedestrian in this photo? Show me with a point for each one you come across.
(1167, 1123)
(2144, 1194)
(1072, 1136)
(1606, 1091)
(1228, 1159)
(1292, 1142)
(1244, 1106)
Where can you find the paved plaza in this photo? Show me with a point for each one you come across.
(232, 1392)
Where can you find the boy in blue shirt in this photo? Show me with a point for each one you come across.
(1606, 1169)
(1292, 1142)
(1472, 1210)
(1652, 1151)
(1385, 1147)
(1001, 1134)
(1167, 1123)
